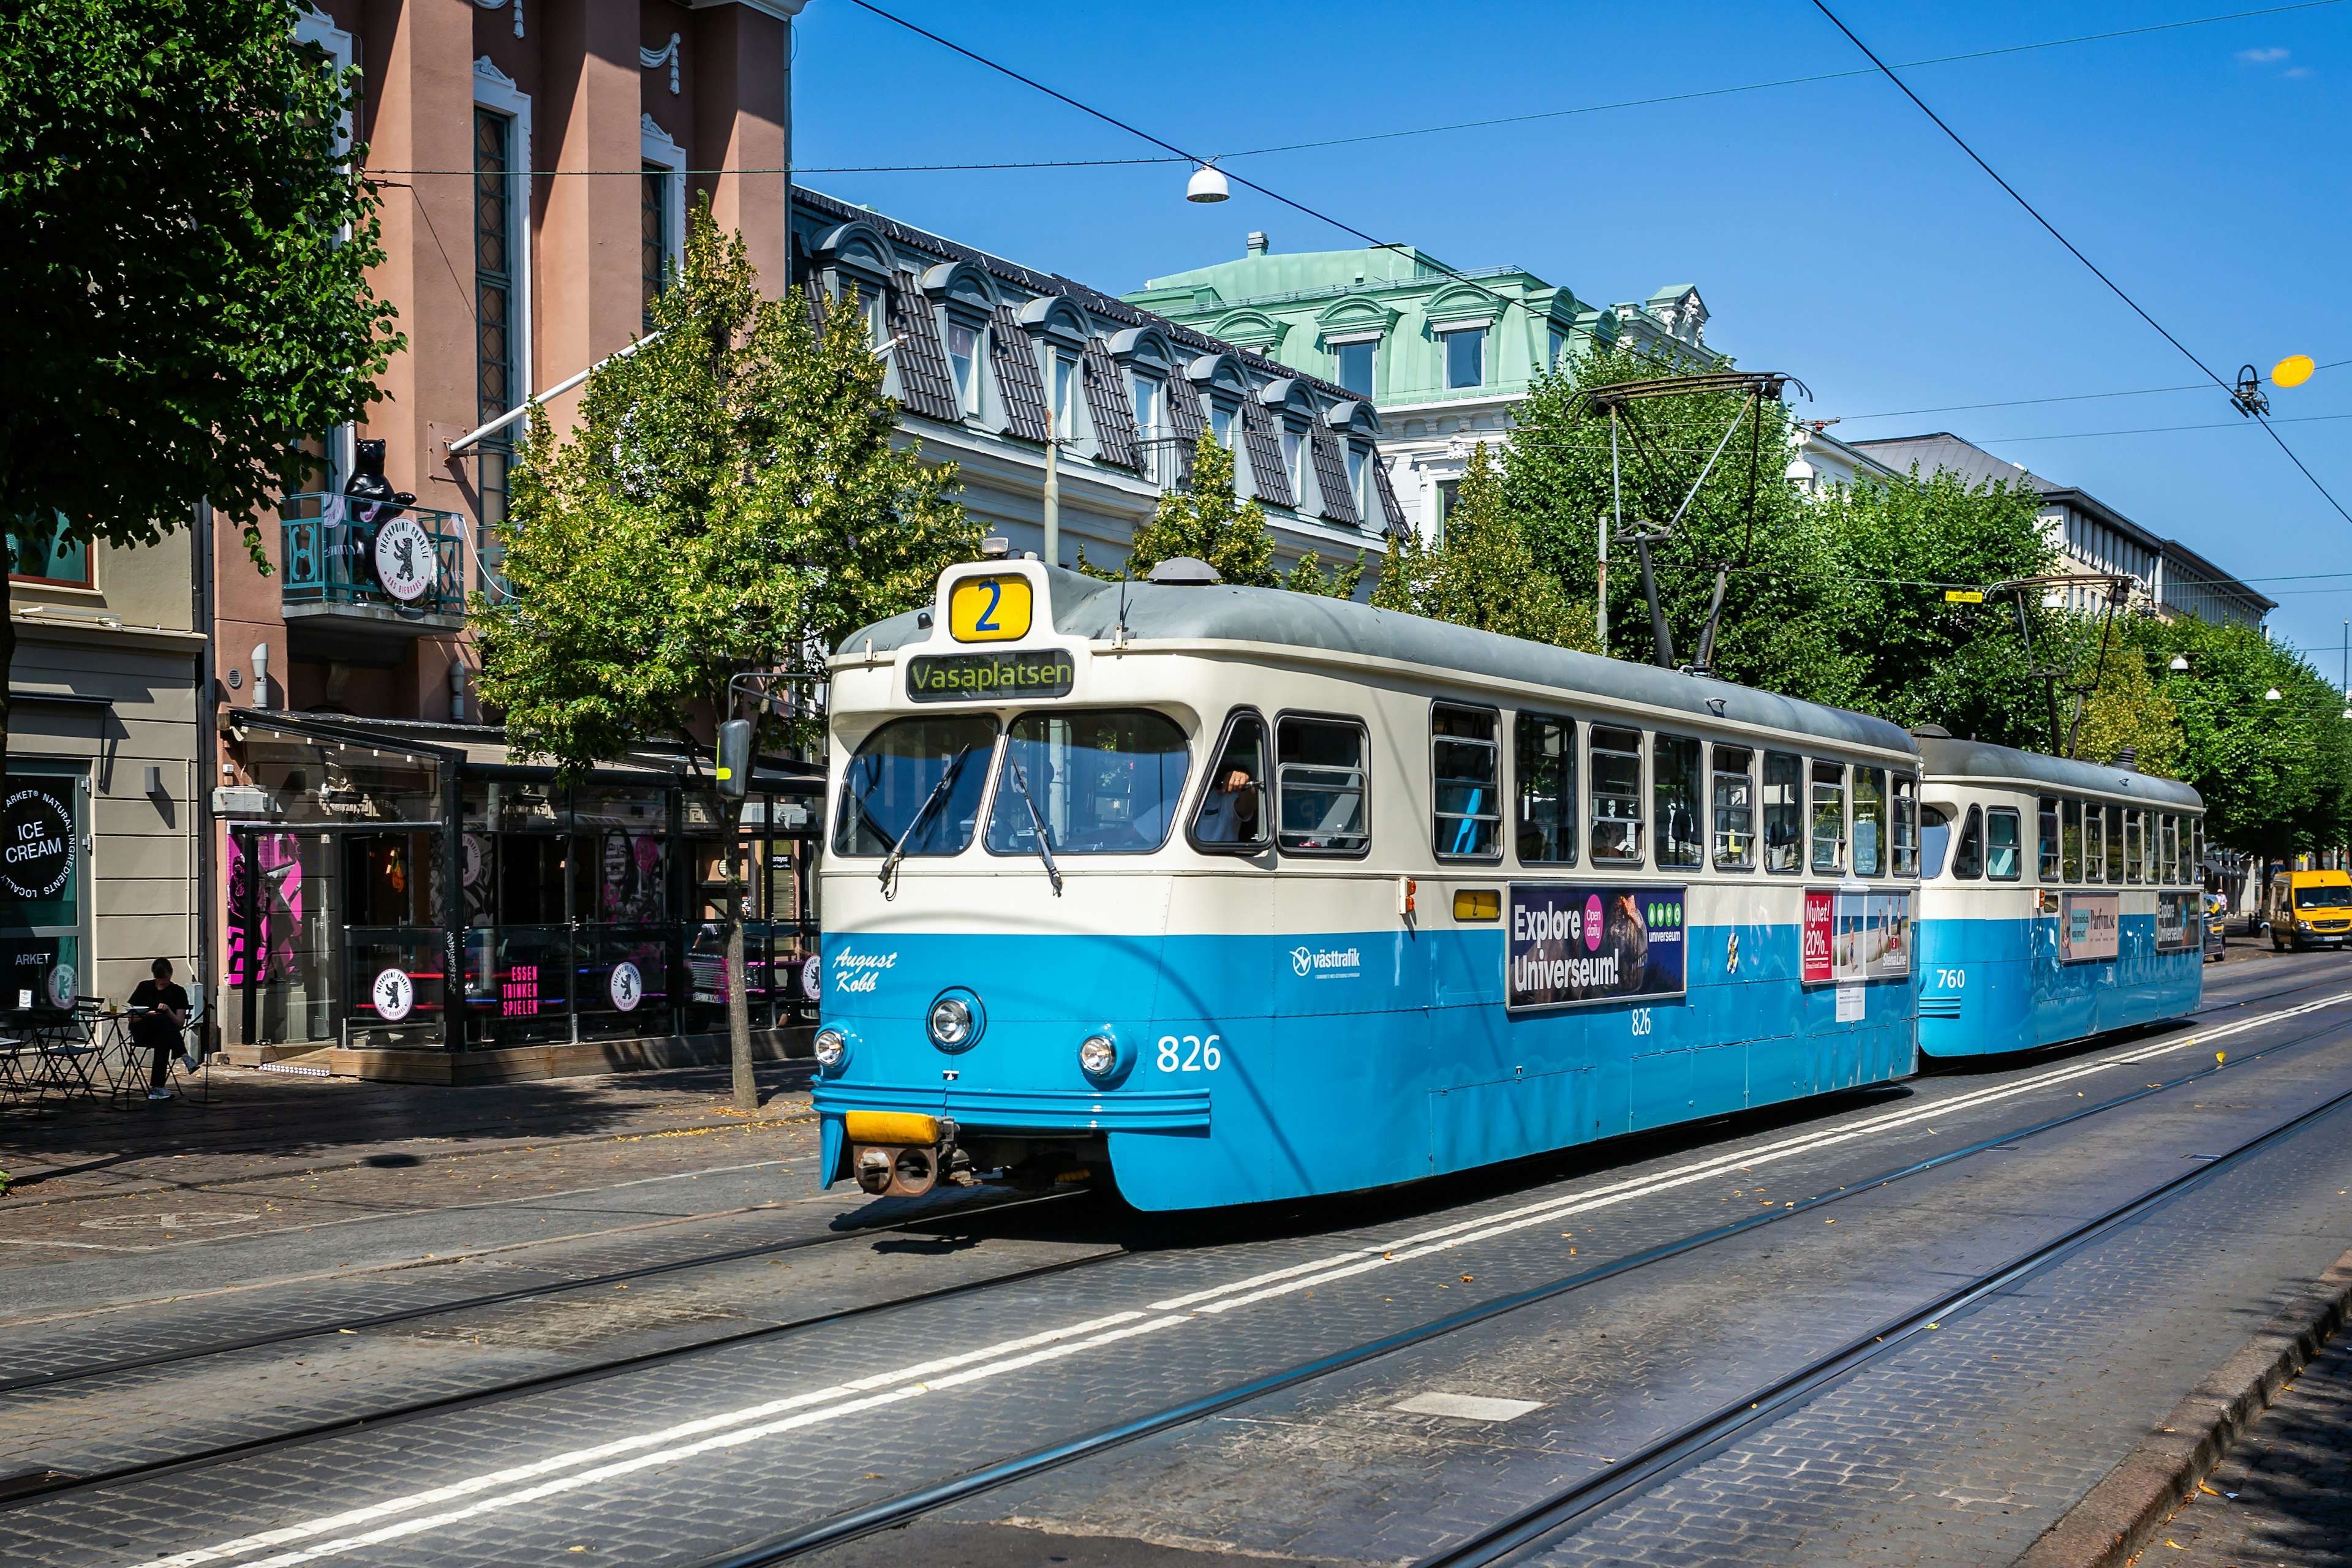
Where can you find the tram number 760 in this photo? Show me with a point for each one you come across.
(1189, 1053)
(1952, 979)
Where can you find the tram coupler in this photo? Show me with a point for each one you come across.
(899, 1154)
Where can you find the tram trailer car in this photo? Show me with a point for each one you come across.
(1247, 895)
(2061, 899)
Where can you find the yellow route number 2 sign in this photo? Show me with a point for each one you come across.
(989, 609)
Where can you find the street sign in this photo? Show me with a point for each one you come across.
(1962, 596)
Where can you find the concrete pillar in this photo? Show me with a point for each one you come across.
(742, 120)
(588, 299)
(420, 97)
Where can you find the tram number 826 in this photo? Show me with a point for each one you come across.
(1189, 1053)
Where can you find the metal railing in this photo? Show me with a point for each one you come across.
(1166, 461)
(330, 555)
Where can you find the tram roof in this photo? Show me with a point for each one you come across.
(1952, 759)
(1087, 607)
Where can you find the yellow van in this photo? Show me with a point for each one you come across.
(2308, 909)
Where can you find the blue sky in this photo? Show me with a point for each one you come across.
(1833, 231)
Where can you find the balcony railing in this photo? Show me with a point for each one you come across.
(331, 555)
(1166, 461)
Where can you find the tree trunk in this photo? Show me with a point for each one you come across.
(739, 1001)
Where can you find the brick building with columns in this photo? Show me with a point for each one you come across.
(536, 159)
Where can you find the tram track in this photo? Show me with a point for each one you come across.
(908, 1506)
(1623, 1479)
(39, 1488)
(122, 1364)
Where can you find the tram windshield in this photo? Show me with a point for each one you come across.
(917, 780)
(1935, 837)
(2323, 897)
(1105, 783)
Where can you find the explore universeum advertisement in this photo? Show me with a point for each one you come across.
(1573, 943)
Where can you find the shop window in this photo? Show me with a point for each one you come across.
(46, 553)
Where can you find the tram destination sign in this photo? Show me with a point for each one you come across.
(968, 677)
(1574, 943)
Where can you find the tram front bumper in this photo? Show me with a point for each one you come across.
(898, 1153)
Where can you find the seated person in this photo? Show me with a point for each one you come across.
(1229, 815)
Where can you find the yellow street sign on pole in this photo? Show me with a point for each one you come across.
(1962, 596)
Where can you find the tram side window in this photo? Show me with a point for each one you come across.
(1233, 817)
(916, 783)
(1969, 857)
(2094, 843)
(2171, 852)
(1465, 776)
(1784, 811)
(1319, 786)
(2114, 845)
(1870, 822)
(2003, 862)
(2197, 849)
(2136, 846)
(1829, 816)
(2045, 843)
(1673, 783)
(1544, 754)
(2070, 841)
(1735, 809)
(1936, 838)
(1616, 796)
(1906, 826)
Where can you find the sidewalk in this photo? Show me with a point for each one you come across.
(284, 1175)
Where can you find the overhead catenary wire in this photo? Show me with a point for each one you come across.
(2035, 213)
(1528, 117)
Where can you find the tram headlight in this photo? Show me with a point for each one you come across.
(950, 1021)
(832, 1050)
(1098, 1056)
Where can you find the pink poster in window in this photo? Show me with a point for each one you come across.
(277, 869)
(1820, 907)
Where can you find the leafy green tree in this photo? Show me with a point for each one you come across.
(730, 502)
(1482, 573)
(1891, 551)
(1208, 521)
(2276, 776)
(2126, 709)
(1779, 604)
(185, 272)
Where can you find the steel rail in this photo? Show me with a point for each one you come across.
(1671, 1454)
(56, 1483)
(892, 1512)
(45, 1381)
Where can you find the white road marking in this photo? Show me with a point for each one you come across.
(625, 1455)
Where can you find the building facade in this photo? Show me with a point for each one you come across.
(2092, 535)
(1446, 356)
(100, 840)
(987, 357)
(383, 882)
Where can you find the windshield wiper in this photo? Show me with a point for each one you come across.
(1036, 820)
(938, 792)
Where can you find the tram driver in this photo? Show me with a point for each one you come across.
(1230, 813)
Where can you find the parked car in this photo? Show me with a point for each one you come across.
(2217, 914)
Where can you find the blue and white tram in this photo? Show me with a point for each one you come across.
(1251, 895)
(2061, 900)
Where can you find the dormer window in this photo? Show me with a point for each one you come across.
(1221, 425)
(1465, 357)
(1360, 482)
(1065, 395)
(1294, 460)
(1559, 336)
(963, 366)
(1146, 408)
(1356, 365)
